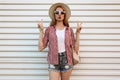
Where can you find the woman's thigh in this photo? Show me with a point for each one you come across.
(66, 75)
(53, 75)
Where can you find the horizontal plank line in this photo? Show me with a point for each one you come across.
(71, 15)
(47, 75)
(80, 33)
(41, 69)
(46, 68)
(20, 57)
(38, 61)
(9, 74)
(47, 51)
(99, 39)
(19, 51)
(22, 63)
(69, 21)
(48, 9)
(47, 63)
(97, 57)
(99, 51)
(99, 27)
(71, 27)
(39, 3)
(80, 39)
(80, 45)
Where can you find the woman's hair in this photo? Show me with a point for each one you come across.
(65, 21)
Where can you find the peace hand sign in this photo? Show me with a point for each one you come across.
(79, 27)
(40, 25)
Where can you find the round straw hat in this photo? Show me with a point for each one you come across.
(54, 6)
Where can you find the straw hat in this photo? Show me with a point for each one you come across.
(53, 7)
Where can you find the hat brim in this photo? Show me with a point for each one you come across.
(53, 7)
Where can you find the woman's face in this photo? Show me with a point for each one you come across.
(59, 14)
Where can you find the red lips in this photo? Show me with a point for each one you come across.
(59, 17)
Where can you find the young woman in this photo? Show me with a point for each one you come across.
(61, 41)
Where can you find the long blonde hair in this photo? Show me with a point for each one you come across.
(65, 21)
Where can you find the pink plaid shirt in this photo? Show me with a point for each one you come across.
(51, 38)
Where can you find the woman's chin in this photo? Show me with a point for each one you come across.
(60, 20)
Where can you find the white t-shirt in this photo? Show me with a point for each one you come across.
(61, 40)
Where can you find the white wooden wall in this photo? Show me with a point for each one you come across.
(99, 39)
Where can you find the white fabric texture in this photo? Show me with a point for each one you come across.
(61, 40)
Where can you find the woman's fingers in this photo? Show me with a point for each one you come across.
(79, 26)
(40, 24)
(79, 23)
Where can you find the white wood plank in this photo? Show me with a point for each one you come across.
(18, 42)
(100, 48)
(94, 13)
(44, 66)
(34, 25)
(23, 59)
(24, 18)
(45, 72)
(53, 1)
(99, 36)
(18, 36)
(23, 12)
(36, 30)
(44, 54)
(23, 72)
(100, 42)
(100, 54)
(23, 54)
(94, 19)
(47, 6)
(72, 78)
(82, 48)
(48, 19)
(23, 62)
(35, 42)
(44, 61)
(25, 7)
(46, 77)
(24, 66)
(100, 60)
(96, 72)
(15, 30)
(36, 36)
(96, 66)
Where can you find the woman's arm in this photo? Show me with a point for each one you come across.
(40, 44)
(79, 27)
(43, 37)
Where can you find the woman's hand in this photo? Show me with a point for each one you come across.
(40, 25)
(79, 27)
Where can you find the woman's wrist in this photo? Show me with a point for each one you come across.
(77, 32)
(41, 31)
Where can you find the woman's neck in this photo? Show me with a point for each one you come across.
(60, 25)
